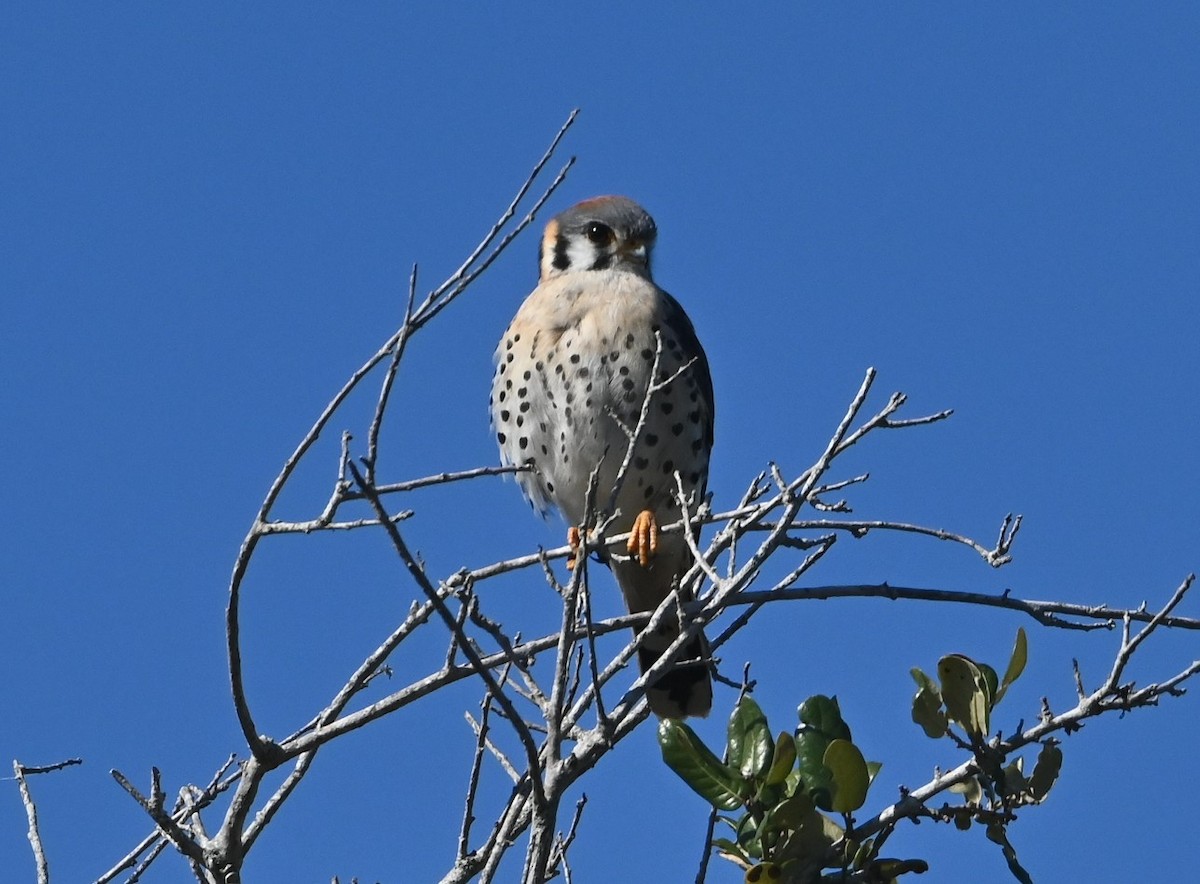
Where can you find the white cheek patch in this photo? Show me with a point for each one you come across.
(581, 253)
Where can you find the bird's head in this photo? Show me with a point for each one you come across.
(605, 232)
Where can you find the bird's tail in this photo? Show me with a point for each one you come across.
(686, 689)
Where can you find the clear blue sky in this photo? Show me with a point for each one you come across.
(208, 216)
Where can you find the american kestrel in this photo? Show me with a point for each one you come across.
(572, 373)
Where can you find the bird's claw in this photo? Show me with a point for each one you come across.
(643, 538)
(574, 541)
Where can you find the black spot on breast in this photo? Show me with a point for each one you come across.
(523, 442)
(641, 463)
(649, 492)
(504, 416)
(575, 358)
(501, 438)
(677, 429)
(651, 439)
(525, 406)
(668, 466)
(648, 355)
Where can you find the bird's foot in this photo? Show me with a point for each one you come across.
(643, 538)
(574, 541)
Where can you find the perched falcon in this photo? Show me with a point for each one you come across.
(572, 374)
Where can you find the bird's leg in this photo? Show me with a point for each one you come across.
(574, 541)
(643, 537)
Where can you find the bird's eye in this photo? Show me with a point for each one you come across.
(600, 234)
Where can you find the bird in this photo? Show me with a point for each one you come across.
(569, 391)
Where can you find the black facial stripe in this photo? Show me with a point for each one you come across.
(561, 259)
(603, 260)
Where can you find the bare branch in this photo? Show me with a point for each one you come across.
(20, 771)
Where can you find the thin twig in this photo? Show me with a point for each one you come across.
(34, 834)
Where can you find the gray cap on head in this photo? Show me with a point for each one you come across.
(620, 213)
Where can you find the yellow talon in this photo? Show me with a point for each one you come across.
(643, 538)
(574, 542)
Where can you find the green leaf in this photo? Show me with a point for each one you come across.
(850, 775)
(748, 836)
(873, 769)
(812, 835)
(862, 856)
(821, 723)
(991, 682)
(970, 789)
(927, 706)
(1045, 771)
(823, 714)
(1013, 778)
(730, 851)
(964, 691)
(784, 759)
(750, 746)
(686, 754)
(792, 812)
(1016, 664)
(727, 845)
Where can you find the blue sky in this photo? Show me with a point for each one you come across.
(209, 216)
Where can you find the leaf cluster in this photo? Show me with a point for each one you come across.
(790, 800)
(966, 694)
(787, 789)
